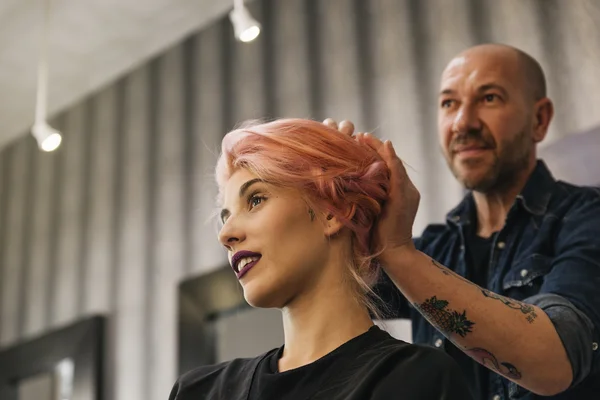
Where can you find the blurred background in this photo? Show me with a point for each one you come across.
(119, 215)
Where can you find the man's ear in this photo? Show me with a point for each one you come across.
(544, 111)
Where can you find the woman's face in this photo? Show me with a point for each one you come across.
(276, 249)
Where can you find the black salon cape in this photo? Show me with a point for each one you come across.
(372, 366)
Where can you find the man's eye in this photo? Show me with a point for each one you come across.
(490, 98)
(446, 103)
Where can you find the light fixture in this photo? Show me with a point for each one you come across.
(245, 27)
(48, 138)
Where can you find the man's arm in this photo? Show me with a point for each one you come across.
(516, 340)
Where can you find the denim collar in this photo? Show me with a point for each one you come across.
(534, 197)
(536, 194)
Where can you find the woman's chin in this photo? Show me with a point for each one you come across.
(262, 297)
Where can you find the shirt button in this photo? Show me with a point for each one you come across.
(438, 343)
(524, 273)
(496, 397)
(594, 346)
(501, 245)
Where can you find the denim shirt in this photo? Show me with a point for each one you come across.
(547, 254)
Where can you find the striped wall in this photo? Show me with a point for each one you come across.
(113, 220)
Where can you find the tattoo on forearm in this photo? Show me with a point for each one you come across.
(526, 309)
(444, 270)
(448, 272)
(446, 320)
(482, 356)
(490, 361)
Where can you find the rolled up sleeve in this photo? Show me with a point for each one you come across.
(574, 328)
(570, 293)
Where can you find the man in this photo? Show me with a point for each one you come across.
(512, 279)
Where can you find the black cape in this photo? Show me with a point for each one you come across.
(372, 366)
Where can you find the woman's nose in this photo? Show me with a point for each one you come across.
(231, 233)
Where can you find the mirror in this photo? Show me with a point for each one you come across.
(53, 385)
(65, 364)
(38, 387)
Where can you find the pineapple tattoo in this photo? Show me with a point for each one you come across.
(446, 320)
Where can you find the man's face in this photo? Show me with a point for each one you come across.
(485, 120)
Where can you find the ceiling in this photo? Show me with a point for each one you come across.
(92, 42)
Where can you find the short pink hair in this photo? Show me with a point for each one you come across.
(333, 171)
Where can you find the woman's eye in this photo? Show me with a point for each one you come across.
(256, 200)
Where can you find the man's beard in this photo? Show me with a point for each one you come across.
(505, 167)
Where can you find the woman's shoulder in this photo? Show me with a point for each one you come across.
(425, 372)
(402, 354)
(393, 365)
(221, 380)
(388, 347)
(389, 369)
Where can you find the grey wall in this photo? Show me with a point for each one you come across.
(113, 220)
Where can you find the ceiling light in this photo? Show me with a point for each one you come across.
(245, 27)
(48, 138)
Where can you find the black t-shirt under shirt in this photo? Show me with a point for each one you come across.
(372, 366)
(479, 252)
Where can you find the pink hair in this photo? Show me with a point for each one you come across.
(333, 171)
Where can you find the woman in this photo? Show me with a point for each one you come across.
(299, 201)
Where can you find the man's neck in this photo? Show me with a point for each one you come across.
(493, 206)
(320, 322)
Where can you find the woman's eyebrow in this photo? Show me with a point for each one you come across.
(243, 189)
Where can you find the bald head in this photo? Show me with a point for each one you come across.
(526, 67)
(493, 110)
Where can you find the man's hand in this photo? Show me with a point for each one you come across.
(393, 231)
(346, 127)
(529, 354)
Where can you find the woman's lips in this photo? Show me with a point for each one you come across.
(246, 268)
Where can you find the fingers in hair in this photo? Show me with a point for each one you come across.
(346, 127)
(331, 123)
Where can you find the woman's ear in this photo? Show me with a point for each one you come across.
(333, 224)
